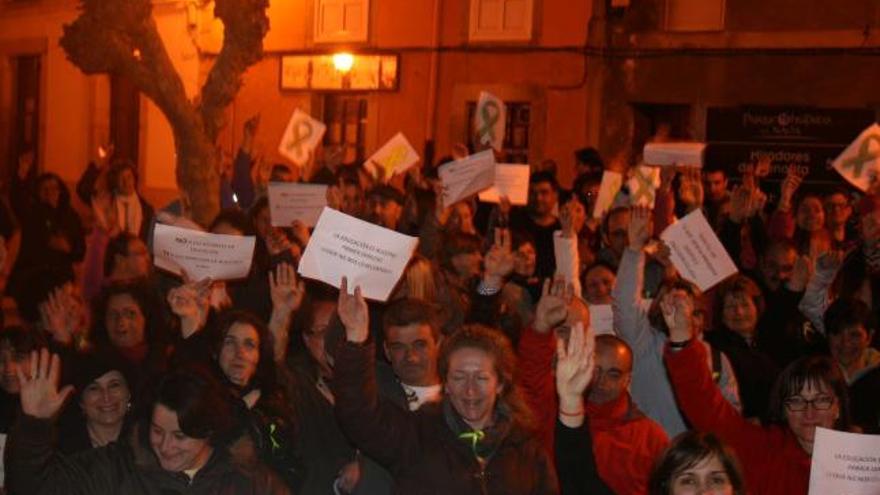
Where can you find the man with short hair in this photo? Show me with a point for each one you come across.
(412, 342)
(385, 206)
(717, 198)
(625, 441)
(541, 220)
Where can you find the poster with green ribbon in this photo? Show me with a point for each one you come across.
(860, 161)
(490, 120)
(302, 135)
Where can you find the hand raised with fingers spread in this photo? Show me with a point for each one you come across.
(639, 227)
(499, 261)
(789, 187)
(552, 308)
(691, 188)
(40, 396)
(354, 313)
(575, 363)
(678, 312)
(55, 316)
(286, 290)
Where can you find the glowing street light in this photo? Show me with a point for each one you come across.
(343, 62)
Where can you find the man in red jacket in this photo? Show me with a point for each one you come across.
(625, 441)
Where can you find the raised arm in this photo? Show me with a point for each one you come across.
(384, 431)
(630, 318)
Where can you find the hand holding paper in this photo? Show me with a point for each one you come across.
(680, 153)
(512, 181)
(202, 255)
(697, 253)
(463, 178)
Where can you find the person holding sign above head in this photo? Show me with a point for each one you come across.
(474, 441)
(644, 329)
(810, 393)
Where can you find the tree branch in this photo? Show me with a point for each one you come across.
(245, 24)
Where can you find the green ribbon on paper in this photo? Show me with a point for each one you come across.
(301, 133)
(490, 112)
(645, 187)
(865, 155)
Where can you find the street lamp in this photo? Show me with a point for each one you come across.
(343, 62)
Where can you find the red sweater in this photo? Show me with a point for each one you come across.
(771, 457)
(625, 441)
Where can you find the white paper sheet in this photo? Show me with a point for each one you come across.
(394, 157)
(490, 119)
(202, 255)
(511, 180)
(370, 256)
(860, 161)
(463, 178)
(289, 201)
(602, 319)
(608, 189)
(302, 135)
(697, 253)
(845, 463)
(681, 153)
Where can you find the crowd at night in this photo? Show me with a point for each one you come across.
(486, 370)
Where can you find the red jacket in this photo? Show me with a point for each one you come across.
(625, 441)
(772, 459)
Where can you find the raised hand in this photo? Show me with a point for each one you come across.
(678, 312)
(691, 188)
(830, 261)
(552, 308)
(574, 367)
(572, 217)
(639, 227)
(40, 396)
(300, 232)
(498, 262)
(56, 317)
(286, 290)
(190, 300)
(276, 241)
(789, 187)
(25, 164)
(353, 313)
(334, 197)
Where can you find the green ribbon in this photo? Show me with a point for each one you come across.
(645, 187)
(276, 445)
(489, 120)
(857, 163)
(475, 438)
(302, 132)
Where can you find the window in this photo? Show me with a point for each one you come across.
(501, 20)
(341, 21)
(26, 120)
(694, 15)
(346, 119)
(516, 130)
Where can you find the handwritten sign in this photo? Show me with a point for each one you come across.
(608, 189)
(201, 254)
(289, 201)
(394, 157)
(302, 135)
(845, 463)
(463, 178)
(697, 253)
(860, 161)
(511, 180)
(643, 185)
(681, 153)
(372, 257)
(490, 119)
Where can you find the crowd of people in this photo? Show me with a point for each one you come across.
(482, 372)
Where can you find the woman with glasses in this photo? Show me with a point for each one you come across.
(810, 393)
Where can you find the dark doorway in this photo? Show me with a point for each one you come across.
(124, 118)
(26, 121)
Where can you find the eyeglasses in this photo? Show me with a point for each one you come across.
(798, 404)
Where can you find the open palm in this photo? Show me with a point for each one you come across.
(40, 396)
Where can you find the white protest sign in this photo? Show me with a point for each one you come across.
(602, 319)
(845, 463)
(680, 153)
(697, 253)
(611, 184)
(302, 135)
(490, 118)
(511, 180)
(643, 185)
(394, 157)
(860, 161)
(201, 254)
(468, 176)
(289, 201)
(372, 257)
